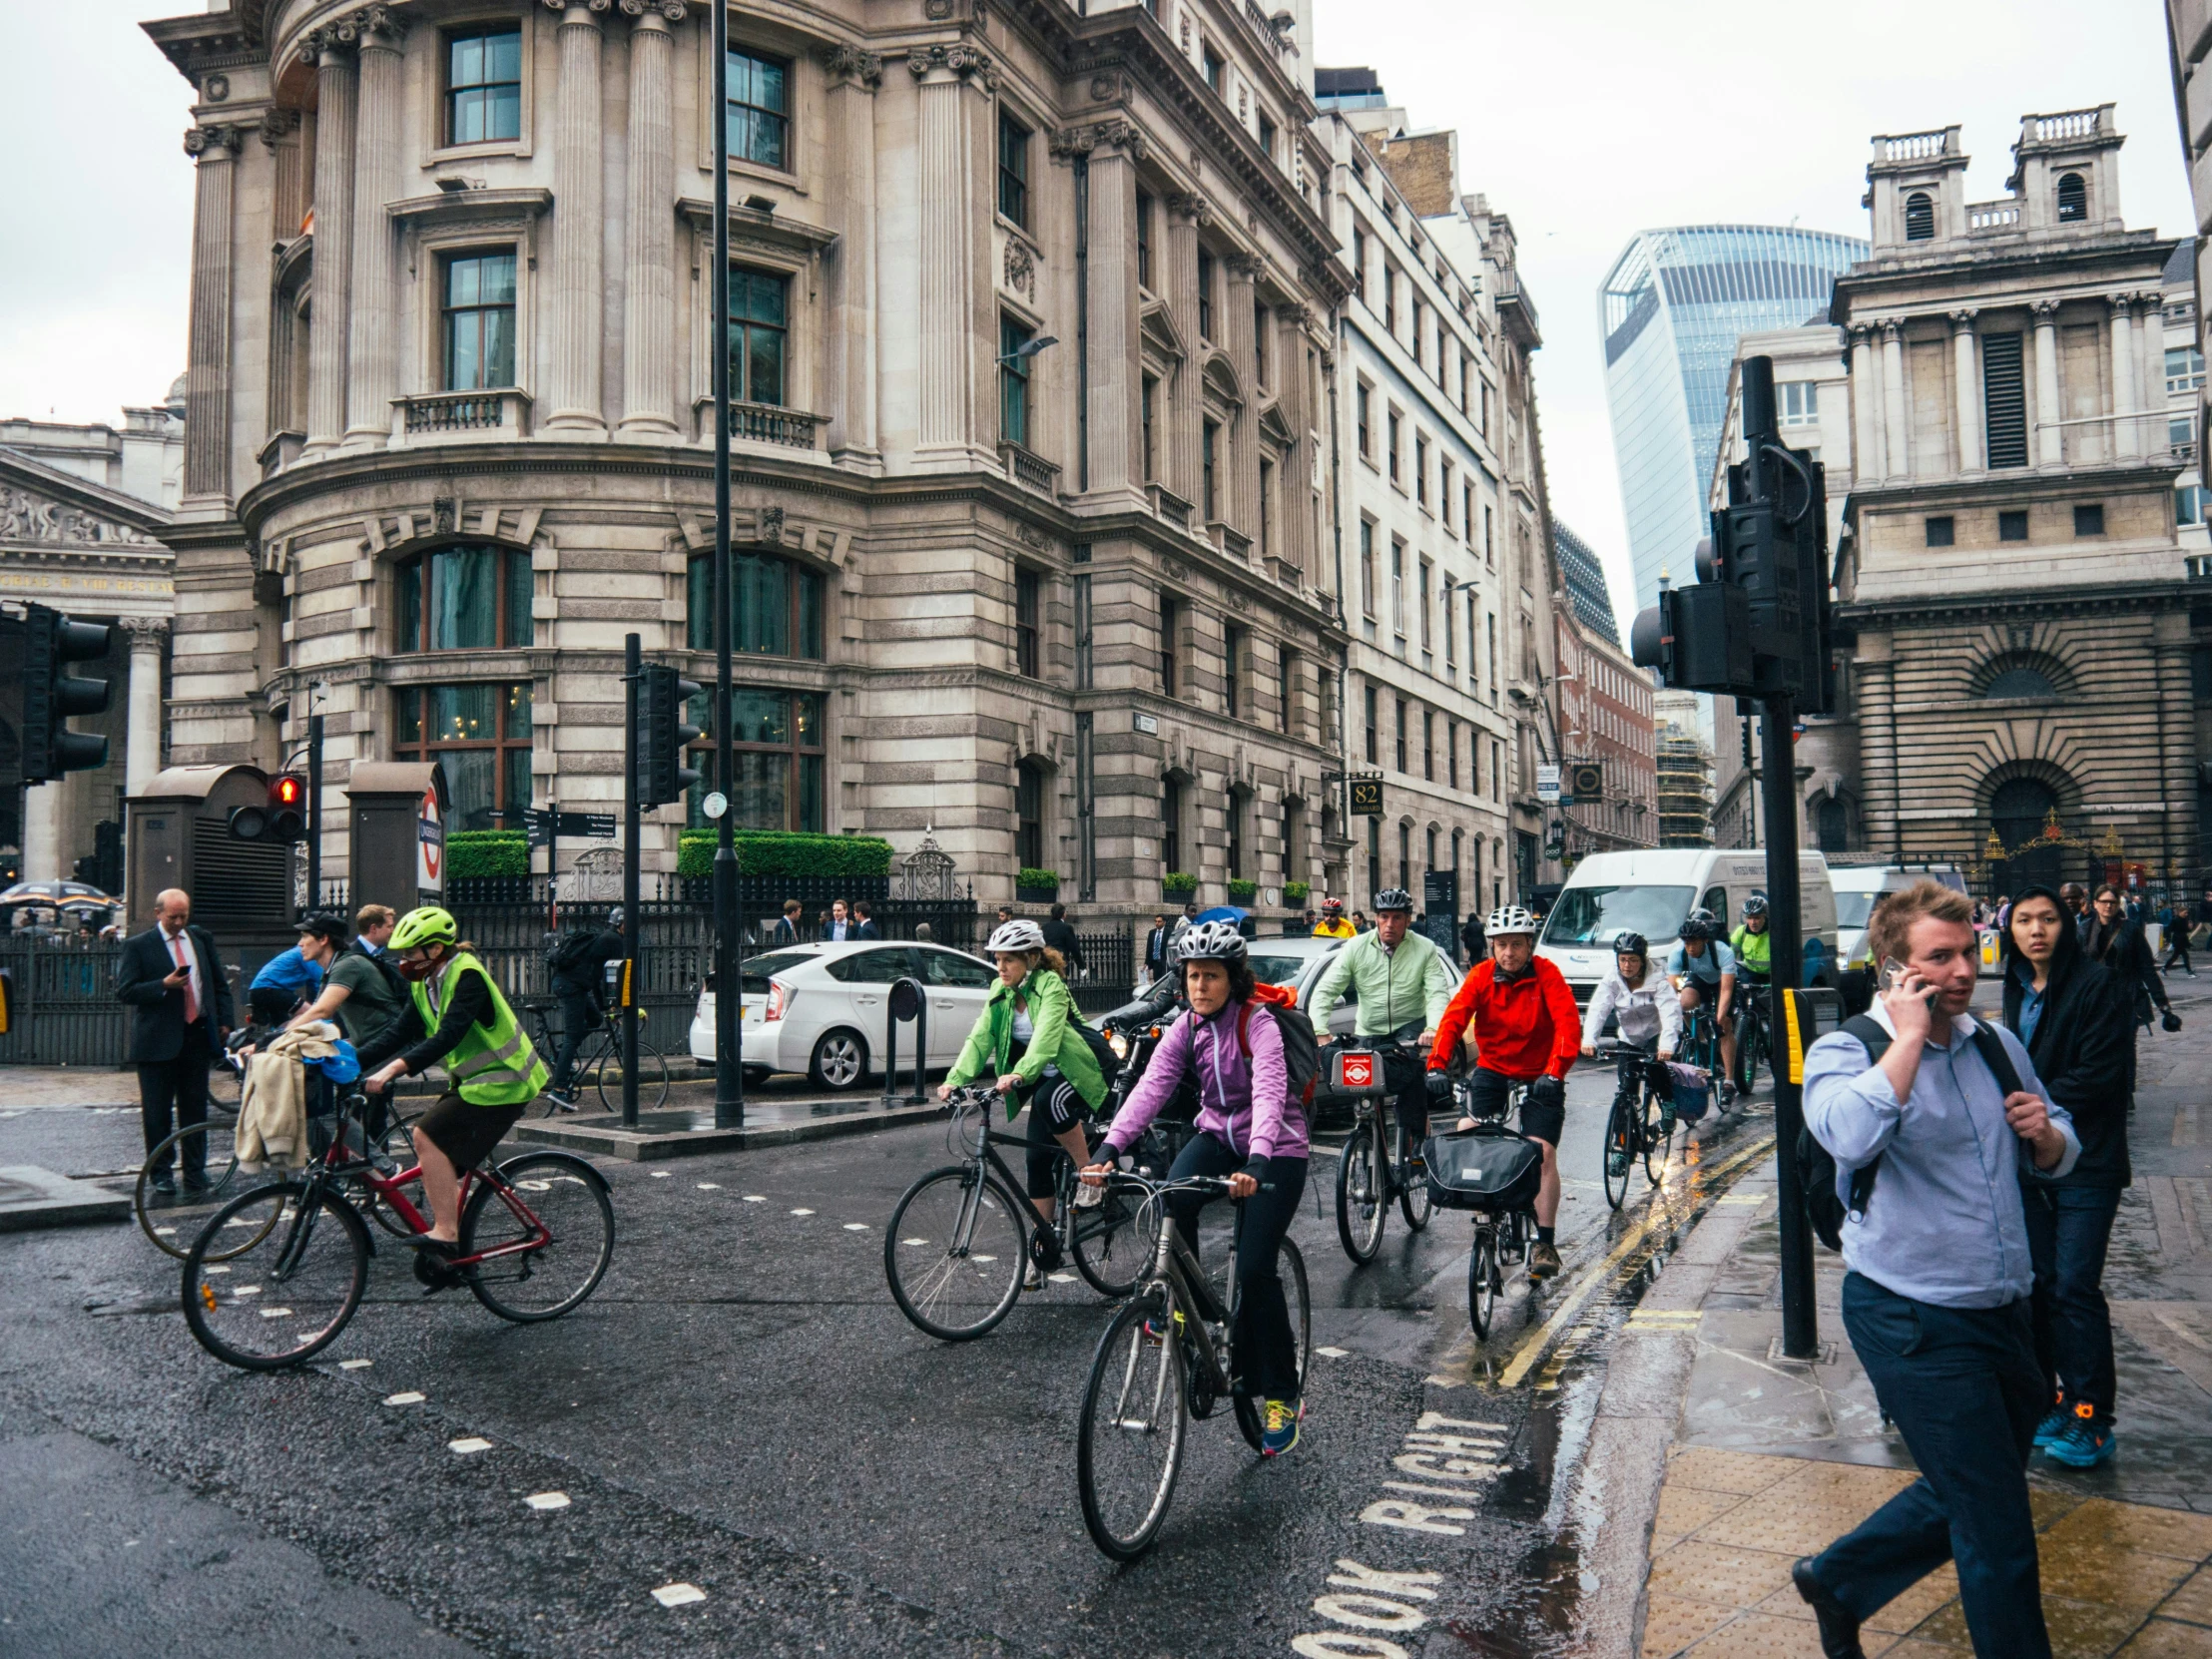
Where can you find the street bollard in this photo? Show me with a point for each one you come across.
(907, 1002)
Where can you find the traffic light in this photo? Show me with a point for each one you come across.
(282, 819)
(50, 695)
(661, 737)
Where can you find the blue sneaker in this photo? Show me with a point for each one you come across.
(1279, 1420)
(2086, 1442)
(2053, 1425)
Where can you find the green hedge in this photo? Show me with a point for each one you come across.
(1031, 876)
(1297, 893)
(487, 852)
(785, 853)
(1243, 891)
(1176, 881)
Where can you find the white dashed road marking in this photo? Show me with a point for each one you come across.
(467, 1445)
(756, 1198)
(856, 1227)
(1332, 1353)
(411, 1397)
(709, 1186)
(547, 1500)
(803, 1212)
(356, 1365)
(679, 1595)
(662, 1174)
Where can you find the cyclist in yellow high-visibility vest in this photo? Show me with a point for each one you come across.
(460, 1019)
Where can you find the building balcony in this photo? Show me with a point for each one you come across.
(1230, 543)
(1169, 506)
(282, 449)
(497, 413)
(770, 423)
(1990, 219)
(1029, 468)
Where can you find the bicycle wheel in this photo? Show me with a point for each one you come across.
(1620, 1148)
(1360, 1203)
(955, 1250)
(1482, 1282)
(1129, 1443)
(1290, 1266)
(1412, 1190)
(1657, 1131)
(283, 1297)
(172, 1219)
(565, 1195)
(652, 1076)
(1111, 1252)
(1746, 1076)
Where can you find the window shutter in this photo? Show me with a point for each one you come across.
(2003, 400)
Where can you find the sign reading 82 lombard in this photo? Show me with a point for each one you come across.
(1366, 798)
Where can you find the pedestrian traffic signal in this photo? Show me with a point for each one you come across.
(282, 819)
(50, 695)
(661, 738)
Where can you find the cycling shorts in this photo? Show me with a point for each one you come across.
(1488, 1091)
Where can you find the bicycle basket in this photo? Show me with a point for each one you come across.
(1487, 1167)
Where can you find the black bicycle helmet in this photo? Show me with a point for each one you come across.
(1755, 905)
(1701, 925)
(1631, 944)
(1393, 899)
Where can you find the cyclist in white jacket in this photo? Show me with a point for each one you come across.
(1644, 1003)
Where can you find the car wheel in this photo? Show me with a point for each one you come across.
(839, 1060)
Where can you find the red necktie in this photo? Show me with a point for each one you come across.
(177, 954)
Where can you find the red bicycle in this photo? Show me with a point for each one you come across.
(277, 1274)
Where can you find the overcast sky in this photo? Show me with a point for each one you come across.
(1585, 121)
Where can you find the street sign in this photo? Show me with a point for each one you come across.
(1586, 781)
(430, 845)
(1147, 724)
(714, 805)
(541, 824)
(1366, 798)
(1547, 782)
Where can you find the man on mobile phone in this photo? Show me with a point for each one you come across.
(1951, 1118)
(171, 978)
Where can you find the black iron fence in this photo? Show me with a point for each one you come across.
(62, 1009)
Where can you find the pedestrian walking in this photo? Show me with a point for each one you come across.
(1360, 923)
(2065, 1008)
(1936, 1281)
(1060, 936)
(1156, 948)
(2110, 937)
(1472, 939)
(864, 925)
(787, 925)
(171, 978)
(577, 967)
(2175, 918)
(2075, 897)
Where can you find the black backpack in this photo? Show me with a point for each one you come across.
(567, 956)
(1301, 1051)
(1824, 1206)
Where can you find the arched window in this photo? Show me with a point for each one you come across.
(778, 606)
(464, 599)
(2021, 681)
(1919, 216)
(2073, 199)
(1832, 824)
(777, 756)
(2019, 810)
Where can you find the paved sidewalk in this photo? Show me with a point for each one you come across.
(1773, 1458)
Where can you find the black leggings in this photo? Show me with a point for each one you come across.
(1263, 1350)
(1054, 1109)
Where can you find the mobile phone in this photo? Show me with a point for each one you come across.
(1892, 972)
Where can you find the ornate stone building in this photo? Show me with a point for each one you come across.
(1604, 713)
(2012, 603)
(450, 427)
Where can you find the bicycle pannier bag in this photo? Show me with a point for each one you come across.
(1487, 1167)
(1691, 1089)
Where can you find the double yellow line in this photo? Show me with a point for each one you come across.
(1533, 1345)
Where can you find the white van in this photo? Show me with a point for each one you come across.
(1858, 889)
(1649, 891)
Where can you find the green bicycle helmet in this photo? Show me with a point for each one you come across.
(428, 925)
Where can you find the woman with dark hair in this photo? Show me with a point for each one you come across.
(2071, 1014)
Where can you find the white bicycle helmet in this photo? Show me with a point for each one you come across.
(1211, 942)
(1508, 918)
(1015, 937)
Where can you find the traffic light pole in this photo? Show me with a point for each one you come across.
(1785, 923)
(633, 671)
(728, 992)
(314, 813)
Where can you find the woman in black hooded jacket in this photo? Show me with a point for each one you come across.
(2078, 1030)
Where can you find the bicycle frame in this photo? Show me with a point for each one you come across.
(1065, 1222)
(1178, 1273)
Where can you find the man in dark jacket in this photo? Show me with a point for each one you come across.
(2072, 1016)
(863, 920)
(2109, 936)
(1473, 941)
(171, 978)
(1156, 949)
(580, 986)
(1061, 937)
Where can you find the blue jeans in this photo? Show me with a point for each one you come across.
(1963, 1387)
(2068, 1228)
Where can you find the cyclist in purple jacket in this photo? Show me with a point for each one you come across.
(1250, 1130)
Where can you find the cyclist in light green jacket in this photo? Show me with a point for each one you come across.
(1404, 983)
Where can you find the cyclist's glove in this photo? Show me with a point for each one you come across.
(1440, 1085)
(1256, 1167)
(1547, 1091)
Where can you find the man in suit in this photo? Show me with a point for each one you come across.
(1156, 948)
(171, 978)
(865, 924)
(1060, 936)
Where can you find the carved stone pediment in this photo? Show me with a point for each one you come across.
(1221, 382)
(1157, 324)
(1272, 426)
(46, 510)
(26, 518)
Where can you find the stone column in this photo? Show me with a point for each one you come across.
(1115, 416)
(372, 334)
(950, 432)
(1241, 287)
(854, 77)
(649, 230)
(1866, 405)
(1967, 373)
(1897, 431)
(2127, 433)
(329, 322)
(142, 751)
(578, 292)
(1875, 677)
(2151, 341)
(1186, 215)
(44, 811)
(2050, 437)
(1296, 486)
(207, 366)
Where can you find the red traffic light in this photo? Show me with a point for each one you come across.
(287, 790)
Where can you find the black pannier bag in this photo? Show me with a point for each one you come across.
(1488, 1167)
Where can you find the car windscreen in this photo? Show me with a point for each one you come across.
(757, 969)
(1853, 908)
(1586, 916)
(1278, 970)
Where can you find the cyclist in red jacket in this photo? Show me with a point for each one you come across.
(1525, 1027)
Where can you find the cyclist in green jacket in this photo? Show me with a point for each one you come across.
(1752, 942)
(1404, 984)
(1026, 1040)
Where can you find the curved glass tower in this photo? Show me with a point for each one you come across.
(1670, 313)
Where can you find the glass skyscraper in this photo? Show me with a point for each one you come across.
(1670, 313)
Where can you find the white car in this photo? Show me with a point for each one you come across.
(1298, 964)
(821, 1008)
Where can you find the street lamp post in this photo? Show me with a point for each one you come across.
(728, 988)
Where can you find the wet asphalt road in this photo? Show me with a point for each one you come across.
(741, 1407)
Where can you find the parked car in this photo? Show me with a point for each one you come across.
(821, 1008)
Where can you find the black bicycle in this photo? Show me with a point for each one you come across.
(599, 1060)
(1380, 1159)
(1753, 1043)
(1162, 1363)
(959, 1237)
(1501, 1232)
(1640, 1124)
